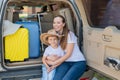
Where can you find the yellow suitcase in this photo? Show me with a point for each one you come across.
(17, 45)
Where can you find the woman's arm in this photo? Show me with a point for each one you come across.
(53, 57)
(69, 50)
(44, 58)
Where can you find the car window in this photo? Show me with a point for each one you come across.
(103, 13)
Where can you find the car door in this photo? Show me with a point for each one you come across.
(101, 45)
(2, 8)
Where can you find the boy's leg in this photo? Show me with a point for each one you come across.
(44, 73)
(51, 74)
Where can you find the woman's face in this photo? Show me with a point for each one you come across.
(58, 24)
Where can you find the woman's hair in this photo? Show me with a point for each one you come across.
(63, 41)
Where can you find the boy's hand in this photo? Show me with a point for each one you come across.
(50, 69)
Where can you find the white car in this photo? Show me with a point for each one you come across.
(96, 23)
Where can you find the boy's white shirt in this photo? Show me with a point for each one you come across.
(53, 51)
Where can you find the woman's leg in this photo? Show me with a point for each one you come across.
(76, 71)
(61, 71)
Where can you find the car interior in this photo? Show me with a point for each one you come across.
(40, 12)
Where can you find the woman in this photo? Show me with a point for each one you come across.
(73, 64)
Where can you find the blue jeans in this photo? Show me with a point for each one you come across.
(46, 75)
(70, 70)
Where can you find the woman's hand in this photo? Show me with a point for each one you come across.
(49, 62)
(53, 63)
(53, 57)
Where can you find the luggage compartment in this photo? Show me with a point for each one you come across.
(16, 45)
(27, 15)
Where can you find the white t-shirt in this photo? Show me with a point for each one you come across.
(57, 51)
(76, 54)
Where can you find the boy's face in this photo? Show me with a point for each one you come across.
(53, 41)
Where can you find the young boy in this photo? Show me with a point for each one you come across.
(53, 50)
